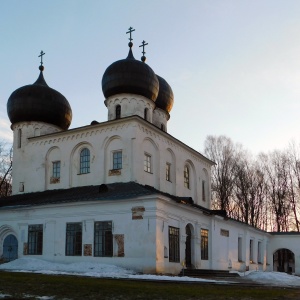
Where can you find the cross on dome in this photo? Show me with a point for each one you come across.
(143, 58)
(41, 67)
(130, 30)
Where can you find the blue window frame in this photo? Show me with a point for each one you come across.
(84, 161)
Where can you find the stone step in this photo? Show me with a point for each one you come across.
(204, 273)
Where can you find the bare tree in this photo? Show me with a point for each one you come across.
(294, 184)
(249, 191)
(5, 169)
(223, 152)
(276, 166)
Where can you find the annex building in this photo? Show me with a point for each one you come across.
(123, 191)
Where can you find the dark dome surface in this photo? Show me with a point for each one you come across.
(130, 76)
(38, 102)
(165, 98)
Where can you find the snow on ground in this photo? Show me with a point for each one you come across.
(111, 271)
(274, 278)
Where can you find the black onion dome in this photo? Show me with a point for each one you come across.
(165, 98)
(38, 102)
(130, 76)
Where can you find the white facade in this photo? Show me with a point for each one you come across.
(123, 192)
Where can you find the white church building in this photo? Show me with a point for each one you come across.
(123, 191)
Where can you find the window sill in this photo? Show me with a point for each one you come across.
(114, 172)
(148, 172)
(54, 180)
(83, 173)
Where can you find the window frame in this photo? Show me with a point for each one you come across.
(118, 111)
(251, 250)
(186, 176)
(103, 239)
(146, 114)
(259, 252)
(203, 191)
(19, 140)
(147, 163)
(56, 168)
(174, 244)
(35, 239)
(85, 161)
(73, 239)
(168, 171)
(117, 162)
(204, 243)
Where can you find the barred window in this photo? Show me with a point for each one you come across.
(117, 160)
(74, 239)
(103, 239)
(84, 161)
(251, 250)
(174, 250)
(168, 171)
(204, 244)
(186, 176)
(259, 252)
(118, 111)
(35, 239)
(147, 163)
(240, 249)
(56, 169)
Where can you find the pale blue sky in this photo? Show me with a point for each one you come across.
(234, 66)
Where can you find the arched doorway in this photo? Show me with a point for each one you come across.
(284, 261)
(10, 248)
(188, 247)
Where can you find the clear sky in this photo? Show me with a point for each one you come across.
(233, 65)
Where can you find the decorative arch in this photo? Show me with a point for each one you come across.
(53, 155)
(151, 157)
(192, 182)
(75, 162)
(8, 243)
(284, 261)
(113, 158)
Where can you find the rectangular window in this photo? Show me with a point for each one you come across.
(259, 252)
(174, 252)
(56, 169)
(103, 239)
(251, 250)
(168, 171)
(204, 244)
(147, 163)
(74, 239)
(35, 239)
(240, 249)
(117, 160)
(203, 191)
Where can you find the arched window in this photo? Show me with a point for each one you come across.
(146, 114)
(84, 161)
(186, 176)
(19, 138)
(118, 111)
